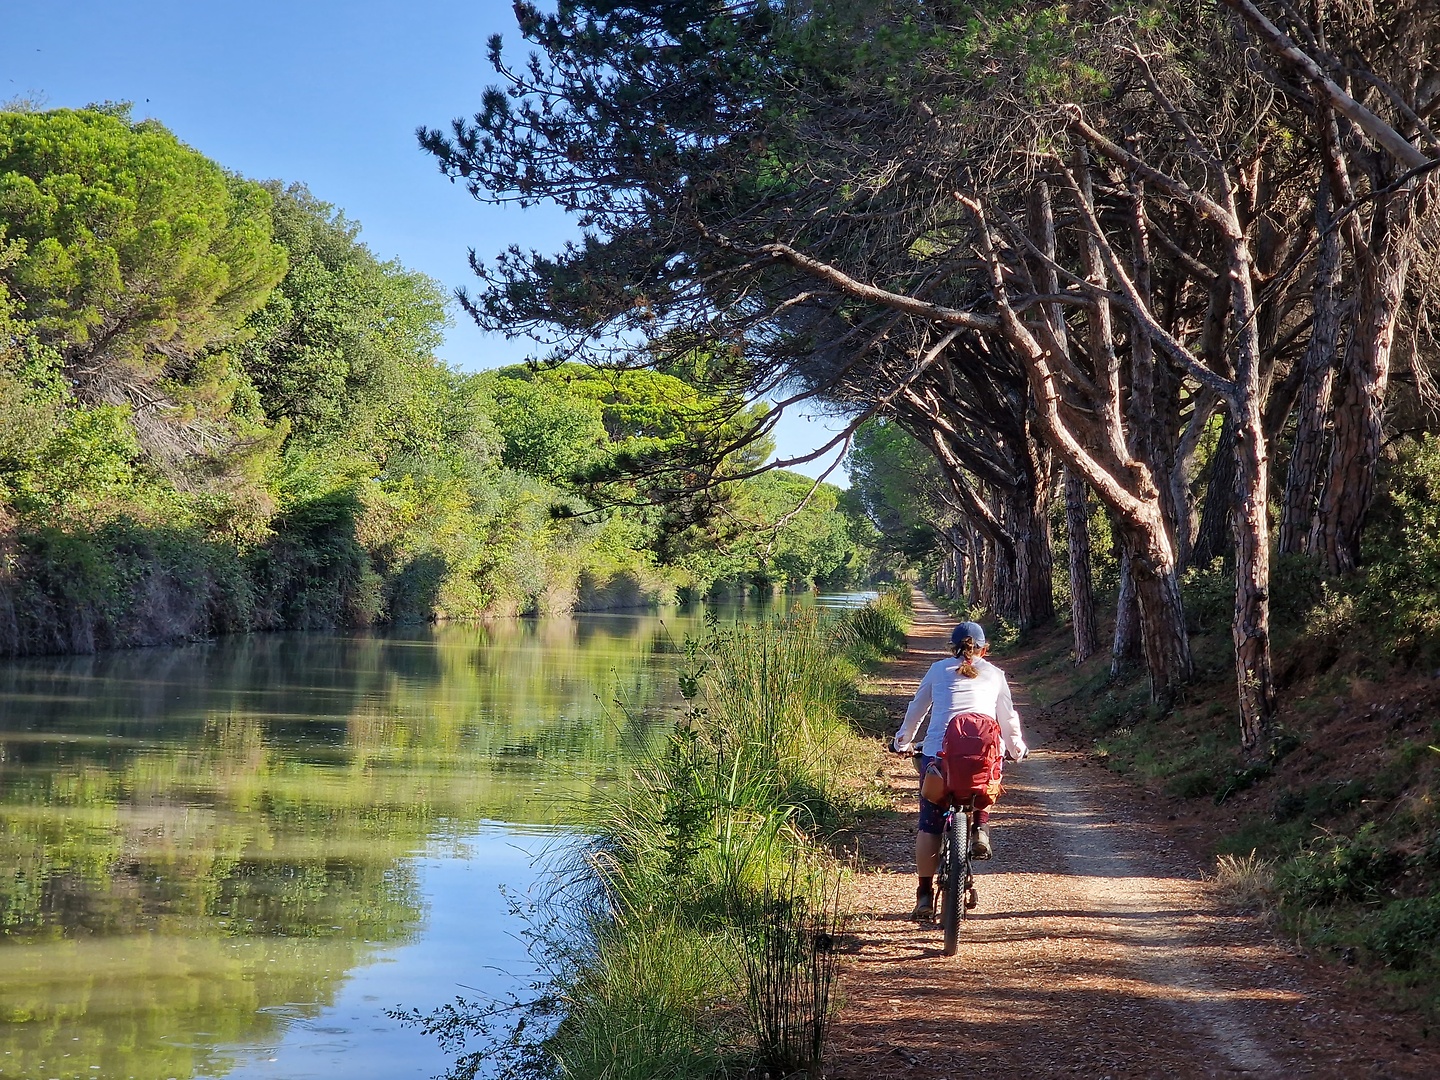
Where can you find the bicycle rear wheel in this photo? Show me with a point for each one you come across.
(955, 856)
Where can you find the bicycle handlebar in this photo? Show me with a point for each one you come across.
(916, 752)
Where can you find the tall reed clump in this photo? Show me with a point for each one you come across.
(789, 966)
(878, 629)
(697, 937)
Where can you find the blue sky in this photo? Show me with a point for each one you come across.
(326, 93)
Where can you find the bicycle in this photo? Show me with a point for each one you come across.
(955, 874)
(955, 877)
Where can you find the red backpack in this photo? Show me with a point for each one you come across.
(971, 758)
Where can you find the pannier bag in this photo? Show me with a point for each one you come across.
(932, 785)
(971, 758)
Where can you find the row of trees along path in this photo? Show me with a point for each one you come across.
(1098, 947)
(1165, 248)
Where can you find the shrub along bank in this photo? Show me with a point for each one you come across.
(695, 935)
(367, 553)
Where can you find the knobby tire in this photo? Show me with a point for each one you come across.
(954, 857)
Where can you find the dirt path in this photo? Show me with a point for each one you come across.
(1097, 948)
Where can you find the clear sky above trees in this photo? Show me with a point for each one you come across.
(327, 93)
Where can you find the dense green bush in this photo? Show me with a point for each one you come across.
(122, 585)
(1400, 589)
(1297, 586)
(315, 574)
(1406, 933)
(1209, 593)
(1339, 869)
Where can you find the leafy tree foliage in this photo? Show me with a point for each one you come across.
(138, 261)
(343, 334)
(62, 461)
(548, 431)
(811, 545)
(899, 486)
(265, 437)
(953, 216)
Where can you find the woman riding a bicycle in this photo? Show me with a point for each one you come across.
(967, 683)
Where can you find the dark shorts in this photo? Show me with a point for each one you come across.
(932, 815)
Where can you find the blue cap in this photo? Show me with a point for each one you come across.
(967, 629)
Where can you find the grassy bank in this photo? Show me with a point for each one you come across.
(695, 928)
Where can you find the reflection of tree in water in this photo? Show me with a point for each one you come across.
(161, 918)
(194, 839)
(135, 1008)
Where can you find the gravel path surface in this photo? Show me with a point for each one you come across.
(1097, 949)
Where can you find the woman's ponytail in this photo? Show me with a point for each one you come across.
(966, 651)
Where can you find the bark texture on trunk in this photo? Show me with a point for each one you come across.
(1163, 636)
(1034, 563)
(1182, 498)
(1140, 521)
(1004, 600)
(1312, 405)
(1092, 440)
(1035, 573)
(974, 576)
(1360, 398)
(1125, 650)
(1251, 626)
(1212, 537)
(950, 573)
(1082, 584)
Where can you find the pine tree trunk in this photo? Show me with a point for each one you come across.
(1251, 627)
(1182, 500)
(1249, 458)
(1163, 636)
(989, 586)
(944, 573)
(1034, 566)
(1129, 491)
(1303, 477)
(1360, 403)
(1004, 601)
(1213, 535)
(1160, 613)
(957, 564)
(1182, 507)
(1125, 650)
(1082, 585)
(959, 557)
(974, 574)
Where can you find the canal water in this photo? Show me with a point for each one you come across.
(231, 859)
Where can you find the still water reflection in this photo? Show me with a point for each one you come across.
(230, 859)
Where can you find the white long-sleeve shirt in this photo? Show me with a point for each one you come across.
(944, 692)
